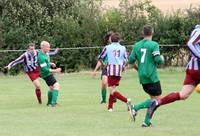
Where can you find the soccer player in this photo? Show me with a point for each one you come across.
(117, 58)
(147, 54)
(29, 59)
(46, 73)
(192, 77)
(104, 71)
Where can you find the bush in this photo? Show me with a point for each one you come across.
(81, 23)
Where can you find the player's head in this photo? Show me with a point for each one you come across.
(148, 31)
(107, 37)
(115, 37)
(31, 47)
(45, 46)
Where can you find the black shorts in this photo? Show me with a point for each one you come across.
(104, 72)
(50, 80)
(153, 89)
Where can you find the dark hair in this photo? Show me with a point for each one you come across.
(106, 37)
(30, 45)
(115, 37)
(147, 30)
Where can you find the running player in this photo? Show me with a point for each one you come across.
(46, 73)
(117, 58)
(104, 71)
(29, 59)
(192, 77)
(147, 54)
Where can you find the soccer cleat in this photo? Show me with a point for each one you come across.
(153, 106)
(48, 105)
(103, 102)
(39, 101)
(54, 104)
(110, 110)
(144, 125)
(131, 110)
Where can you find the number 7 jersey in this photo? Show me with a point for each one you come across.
(147, 54)
(117, 58)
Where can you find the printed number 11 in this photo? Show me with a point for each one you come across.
(116, 53)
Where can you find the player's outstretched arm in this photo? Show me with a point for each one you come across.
(15, 62)
(51, 53)
(132, 57)
(192, 43)
(57, 70)
(96, 68)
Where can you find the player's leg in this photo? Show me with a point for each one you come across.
(191, 79)
(36, 83)
(34, 75)
(172, 97)
(153, 90)
(55, 91)
(119, 96)
(115, 93)
(104, 88)
(49, 94)
(147, 120)
(142, 105)
(186, 91)
(111, 98)
(113, 81)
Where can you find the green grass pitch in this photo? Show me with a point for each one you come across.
(80, 113)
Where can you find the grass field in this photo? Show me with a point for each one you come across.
(80, 114)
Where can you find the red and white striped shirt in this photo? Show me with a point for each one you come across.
(194, 46)
(117, 58)
(29, 60)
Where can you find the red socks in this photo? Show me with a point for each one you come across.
(38, 94)
(110, 104)
(120, 97)
(170, 98)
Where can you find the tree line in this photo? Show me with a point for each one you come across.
(83, 23)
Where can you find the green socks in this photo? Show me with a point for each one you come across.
(103, 94)
(143, 105)
(147, 119)
(49, 97)
(54, 96)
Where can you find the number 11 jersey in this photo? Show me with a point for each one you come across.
(117, 58)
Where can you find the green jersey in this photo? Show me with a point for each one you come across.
(147, 54)
(44, 63)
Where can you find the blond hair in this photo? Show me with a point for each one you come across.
(43, 43)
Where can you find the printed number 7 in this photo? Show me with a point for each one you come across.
(144, 51)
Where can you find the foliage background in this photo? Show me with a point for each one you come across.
(80, 23)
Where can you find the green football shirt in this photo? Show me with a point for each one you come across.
(44, 63)
(147, 54)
